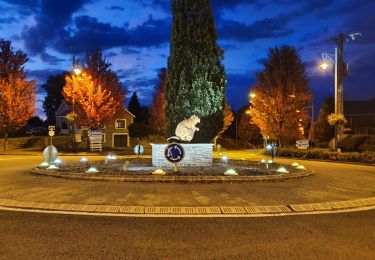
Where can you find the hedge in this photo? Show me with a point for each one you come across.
(325, 154)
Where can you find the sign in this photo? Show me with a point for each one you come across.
(138, 149)
(302, 144)
(174, 153)
(51, 131)
(96, 140)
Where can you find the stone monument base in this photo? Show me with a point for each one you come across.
(195, 155)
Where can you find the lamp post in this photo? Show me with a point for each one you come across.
(76, 70)
(341, 70)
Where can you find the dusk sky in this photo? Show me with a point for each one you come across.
(134, 35)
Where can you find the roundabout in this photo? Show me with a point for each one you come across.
(333, 188)
(142, 170)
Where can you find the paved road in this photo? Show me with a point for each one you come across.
(332, 182)
(48, 236)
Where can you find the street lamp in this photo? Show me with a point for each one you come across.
(77, 71)
(341, 70)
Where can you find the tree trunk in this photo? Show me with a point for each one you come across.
(5, 141)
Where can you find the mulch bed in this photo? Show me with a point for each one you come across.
(143, 167)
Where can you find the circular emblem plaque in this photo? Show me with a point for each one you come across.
(174, 153)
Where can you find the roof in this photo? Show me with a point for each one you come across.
(63, 110)
(359, 107)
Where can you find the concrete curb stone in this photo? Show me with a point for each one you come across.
(209, 210)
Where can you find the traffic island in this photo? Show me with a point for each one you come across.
(141, 170)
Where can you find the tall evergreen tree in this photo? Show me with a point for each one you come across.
(196, 78)
(135, 107)
(54, 87)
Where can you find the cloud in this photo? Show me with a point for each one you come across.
(261, 29)
(52, 60)
(41, 75)
(91, 34)
(117, 8)
(50, 21)
(8, 20)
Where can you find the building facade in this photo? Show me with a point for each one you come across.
(115, 134)
(361, 117)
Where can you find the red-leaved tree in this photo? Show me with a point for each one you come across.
(93, 105)
(17, 95)
(157, 109)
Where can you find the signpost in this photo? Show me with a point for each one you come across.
(138, 150)
(302, 144)
(96, 140)
(51, 131)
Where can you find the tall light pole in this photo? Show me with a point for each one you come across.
(76, 70)
(341, 70)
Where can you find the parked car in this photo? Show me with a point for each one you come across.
(37, 131)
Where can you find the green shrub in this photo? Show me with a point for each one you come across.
(324, 154)
(351, 143)
(368, 145)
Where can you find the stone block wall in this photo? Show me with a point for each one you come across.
(195, 155)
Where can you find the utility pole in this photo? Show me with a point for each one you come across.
(340, 72)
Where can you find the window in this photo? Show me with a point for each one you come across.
(120, 123)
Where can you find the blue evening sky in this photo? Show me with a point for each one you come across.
(134, 35)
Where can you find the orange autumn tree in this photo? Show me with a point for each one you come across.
(157, 110)
(94, 106)
(282, 97)
(17, 95)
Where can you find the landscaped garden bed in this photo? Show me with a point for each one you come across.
(325, 154)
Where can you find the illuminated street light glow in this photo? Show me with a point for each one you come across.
(159, 172)
(282, 170)
(224, 159)
(111, 157)
(252, 95)
(231, 172)
(52, 167)
(83, 159)
(295, 164)
(57, 161)
(301, 167)
(44, 164)
(92, 170)
(77, 71)
(263, 161)
(324, 65)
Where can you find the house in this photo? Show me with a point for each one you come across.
(361, 117)
(115, 134)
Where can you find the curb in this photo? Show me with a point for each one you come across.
(174, 179)
(191, 211)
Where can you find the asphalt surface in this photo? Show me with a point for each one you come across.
(49, 236)
(332, 182)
